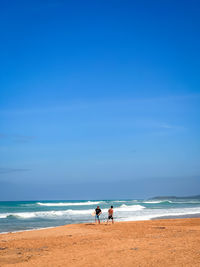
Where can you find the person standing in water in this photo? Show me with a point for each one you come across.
(110, 214)
(98, 213)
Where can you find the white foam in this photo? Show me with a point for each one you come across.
(149, 214)
(54, 214)
(124, 207)
(119, 201)
(3, 215)
(45, 214)
(88, 203)
(124, 212)
(156, 201)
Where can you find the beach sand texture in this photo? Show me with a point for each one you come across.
(172, 242)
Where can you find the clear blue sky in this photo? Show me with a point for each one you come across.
(99, 99)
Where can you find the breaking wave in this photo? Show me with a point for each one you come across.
(157, 201)
(34, 214)
(124, 207)
(66, 213)
(124, 213)
(62, 204)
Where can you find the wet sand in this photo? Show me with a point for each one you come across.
(171, 242)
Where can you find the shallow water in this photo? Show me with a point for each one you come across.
(24, 215)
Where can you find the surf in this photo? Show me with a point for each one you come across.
(63, 204)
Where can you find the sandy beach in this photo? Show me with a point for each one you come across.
(171, 242)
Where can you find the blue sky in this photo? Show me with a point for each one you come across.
(99, 99)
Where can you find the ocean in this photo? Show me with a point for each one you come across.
(27, 215)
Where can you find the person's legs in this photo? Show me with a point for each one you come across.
(97, 219)
(109, 218)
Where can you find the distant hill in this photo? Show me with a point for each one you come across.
(174, 197)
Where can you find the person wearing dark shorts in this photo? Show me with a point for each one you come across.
(98, 213)
(110, 214)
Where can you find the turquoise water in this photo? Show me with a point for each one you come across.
(26, 215)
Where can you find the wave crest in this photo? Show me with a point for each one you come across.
(62, 204)
(124, 207)
(157, 201)
(65, 213)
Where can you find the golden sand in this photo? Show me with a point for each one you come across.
(172, 242)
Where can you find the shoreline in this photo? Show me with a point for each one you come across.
(165, 242)
(187, 216)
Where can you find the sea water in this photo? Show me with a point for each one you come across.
(27, 215)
